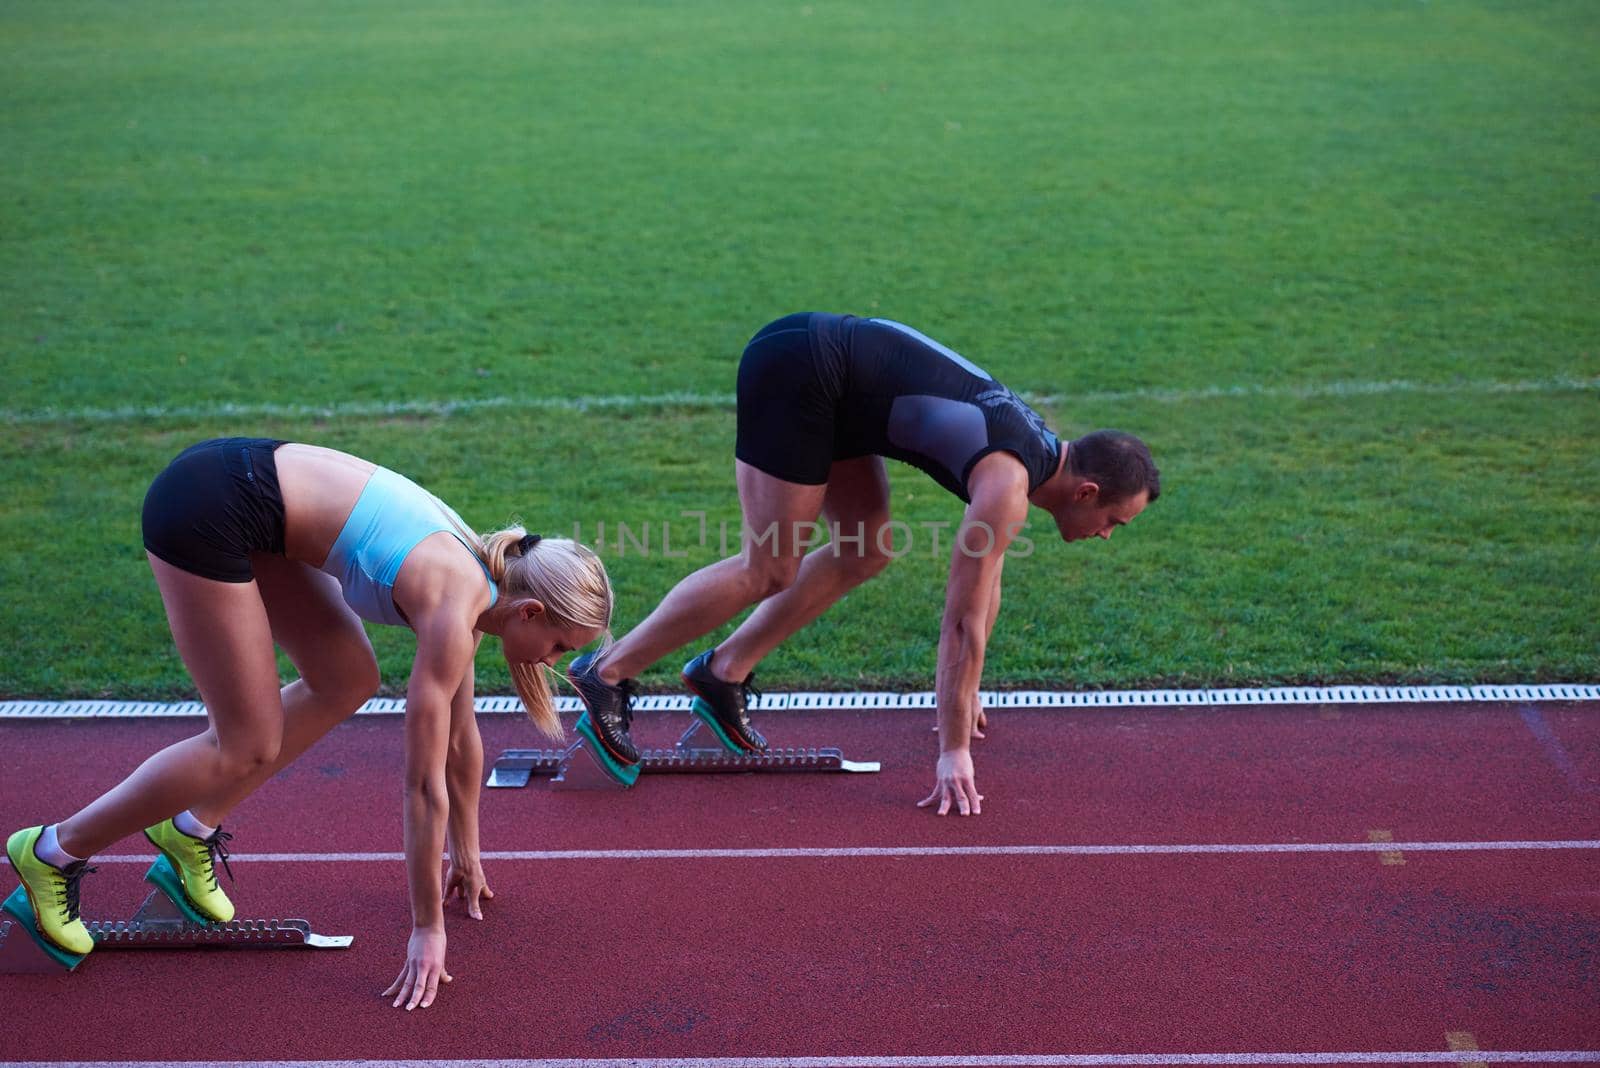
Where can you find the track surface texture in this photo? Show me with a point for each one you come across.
(963, 955)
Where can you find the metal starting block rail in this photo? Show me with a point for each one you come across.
(160, 923)
(570, 771)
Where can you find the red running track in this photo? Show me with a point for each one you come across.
(870, 956)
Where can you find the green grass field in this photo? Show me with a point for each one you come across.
(1337, 260)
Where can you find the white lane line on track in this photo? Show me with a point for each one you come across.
(906, 851)
(725, 401)
(1039, 1060)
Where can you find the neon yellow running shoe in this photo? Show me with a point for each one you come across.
(194, 860)
(52, 892)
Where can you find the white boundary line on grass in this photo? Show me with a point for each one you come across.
(882, 701)
(975, 1060)
(868, 852)
(724, 401)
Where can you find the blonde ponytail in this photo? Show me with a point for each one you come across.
(569, 580)
(495, 546)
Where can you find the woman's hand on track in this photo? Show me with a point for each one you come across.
(424, 971)
(466, 879)
(954, 777)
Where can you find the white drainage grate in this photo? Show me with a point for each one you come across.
(817, 702)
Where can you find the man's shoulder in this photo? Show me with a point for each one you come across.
(998, 478)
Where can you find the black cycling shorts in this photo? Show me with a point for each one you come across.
(214, 505)
(788, 397)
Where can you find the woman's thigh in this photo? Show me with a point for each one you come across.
(321, 634)
(225, 639)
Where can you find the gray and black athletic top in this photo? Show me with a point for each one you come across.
(876, 387)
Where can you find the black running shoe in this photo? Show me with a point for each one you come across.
(610, 707)
(724, 706)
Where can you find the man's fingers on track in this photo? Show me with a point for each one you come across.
(405, 983)
(435, 980)
(422, 989)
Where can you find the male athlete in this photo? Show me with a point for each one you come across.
(821, 400)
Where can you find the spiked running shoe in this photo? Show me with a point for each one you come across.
(610, 707)
(52, 893)
(724, 706)
(194, 859)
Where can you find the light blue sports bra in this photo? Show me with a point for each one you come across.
(391, 516)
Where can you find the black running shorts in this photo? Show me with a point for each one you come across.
(789, 397)
(214, 505)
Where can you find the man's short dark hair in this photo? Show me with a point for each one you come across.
(1119, 463)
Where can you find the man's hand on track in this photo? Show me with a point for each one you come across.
(954, 780)
(424, 971)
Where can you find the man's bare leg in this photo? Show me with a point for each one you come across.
(777, 520)
(856, 504)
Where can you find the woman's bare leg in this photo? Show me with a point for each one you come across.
(324, 639)
(225, 640)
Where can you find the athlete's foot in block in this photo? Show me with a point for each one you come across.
(52, 893)
(596, 750)
(610, 707)
(724, 706)
(194, 859)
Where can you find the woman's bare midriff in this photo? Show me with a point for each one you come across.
(320, 488)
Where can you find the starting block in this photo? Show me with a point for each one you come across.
(577, 767)
(166, 920)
